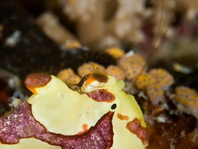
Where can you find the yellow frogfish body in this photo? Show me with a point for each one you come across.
(95, 114)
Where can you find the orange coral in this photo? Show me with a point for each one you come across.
(144, 80)
(69, 44)
(132, 64)
(90, 68)
(116, 72)
(162, 77)
(115, 52)
(188, 98)
(68, 76)
(155, 93)
(154, 83)
(132, 58)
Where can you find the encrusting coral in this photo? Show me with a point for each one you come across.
(129, 66)
(68, 76)
(115, 71)
(144, 80)
(187, 99)
(155, 82)
(117, 53)
(90, 68)
(132, 65)
(162, 78)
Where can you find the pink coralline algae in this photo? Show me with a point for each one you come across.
(21, 124)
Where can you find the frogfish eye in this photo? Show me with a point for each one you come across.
(113, 106)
